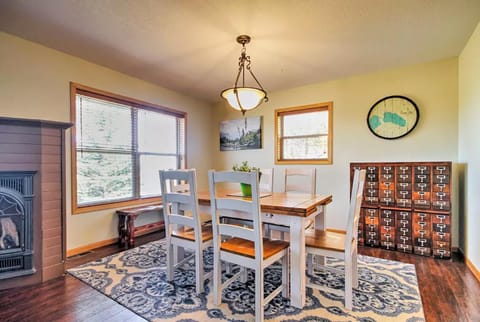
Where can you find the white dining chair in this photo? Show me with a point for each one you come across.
(295, 180)
(183, 224)
(243, 245)
(338, 245)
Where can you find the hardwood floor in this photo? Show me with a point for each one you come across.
(449, 292)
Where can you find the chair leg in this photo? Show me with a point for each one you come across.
(198, 269)
(217, 278)
(243, 275)
(348, 284)
(286, 275)
(259, 297)
(170, 262)
(355, 269)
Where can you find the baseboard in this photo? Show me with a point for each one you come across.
(89, 247)
(473, 269)
(340, 231)
(139, 231)
(470, 265)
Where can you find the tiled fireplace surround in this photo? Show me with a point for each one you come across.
(36, 147)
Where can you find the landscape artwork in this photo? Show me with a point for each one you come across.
(241, 134)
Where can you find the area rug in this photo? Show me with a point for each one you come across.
(136, 279)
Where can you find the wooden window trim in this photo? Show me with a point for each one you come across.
(75, 89)
(327, 106)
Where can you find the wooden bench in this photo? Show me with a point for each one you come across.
(126, 224)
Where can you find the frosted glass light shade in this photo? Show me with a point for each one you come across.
(249, 97)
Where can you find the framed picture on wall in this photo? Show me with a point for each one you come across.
(241, 134)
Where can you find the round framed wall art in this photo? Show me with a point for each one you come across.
(393, 117)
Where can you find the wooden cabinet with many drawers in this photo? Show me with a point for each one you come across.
(406, 207)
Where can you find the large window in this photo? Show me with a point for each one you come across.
(303, 135)
(118, 147)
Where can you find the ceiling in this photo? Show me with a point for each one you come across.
(189, 45)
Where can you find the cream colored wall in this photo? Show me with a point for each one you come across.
(433, 86)
(34, 83)
(469, 147)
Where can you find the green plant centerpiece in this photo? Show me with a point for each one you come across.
(245, 167)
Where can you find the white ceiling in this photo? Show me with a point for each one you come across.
(189, 45)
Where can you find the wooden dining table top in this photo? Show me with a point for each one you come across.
(287, 203)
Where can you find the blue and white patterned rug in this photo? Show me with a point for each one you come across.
(135, 278)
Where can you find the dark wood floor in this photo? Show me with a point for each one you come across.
(449, 292)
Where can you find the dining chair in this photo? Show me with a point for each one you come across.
(296, 180)
(340, 245)
(183, 225)
(266, 180)
(243, 245)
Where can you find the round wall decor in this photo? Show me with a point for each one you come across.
(393, 117)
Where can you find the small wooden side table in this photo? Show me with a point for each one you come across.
(126, 224)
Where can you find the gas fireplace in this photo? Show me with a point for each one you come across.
(16, 224)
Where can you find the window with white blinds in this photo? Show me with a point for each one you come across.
(118, 146)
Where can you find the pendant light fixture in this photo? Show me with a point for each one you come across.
(240, 97)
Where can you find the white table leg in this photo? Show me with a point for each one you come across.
(320, 224)
(297, 262)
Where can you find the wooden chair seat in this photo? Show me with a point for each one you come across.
(246, 247)
(189, 233)
(325, 240)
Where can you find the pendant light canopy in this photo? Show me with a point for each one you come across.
(240, 97)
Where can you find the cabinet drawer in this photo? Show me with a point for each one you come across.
(386, 169)
(421, 169)
(421, 195)
(404, 215)
(370, 212)
(440, 196)
(422, 242)
(422, 233)
(387, 177)
(404, 169)
(421, 186)
(372, 242)
(441, 178)
(372, 177)
(387, 194)
(439, 236)
(387, 237)
(441, 244)
(441, 219)
(387, 230)
(441, 187)
(441, 253)
(441, 169)
(387, 185)
(387, 201)
(407, 177)
(404, 186)
(421, 178)
(386, 213)
(404, 203)
(441, 228)
(404, 231)
(370, 200)
(441, 205)
(371, 227)
(404, 194)
(387, 222)
(371, 192)
(422, 251)
(387, 244)
(371, 185)
(421, 204)
(421, 217)
(404, 248)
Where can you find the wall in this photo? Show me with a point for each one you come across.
(433, 86)
(469, 148)
(34, 84)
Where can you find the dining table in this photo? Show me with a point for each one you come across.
(293, 210)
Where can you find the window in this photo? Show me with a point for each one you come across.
(303, 134)
(118, 146)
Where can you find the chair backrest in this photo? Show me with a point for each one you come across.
(351, 239)
(177, 200)
(230, 207)
(266, 180)
(300, 180)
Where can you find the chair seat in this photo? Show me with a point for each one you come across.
(189, 233)
(325, 240)
(247, 248)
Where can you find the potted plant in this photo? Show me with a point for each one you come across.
(245, 167)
